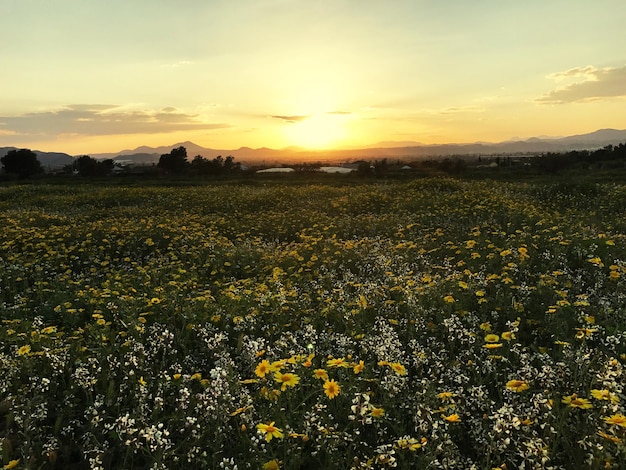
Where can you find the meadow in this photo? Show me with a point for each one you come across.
(433, 323)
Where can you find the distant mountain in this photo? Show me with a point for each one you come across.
(145, 155)
(601, 137)
(395, 143)
(150, 155)
(50, 161)
(138, 158)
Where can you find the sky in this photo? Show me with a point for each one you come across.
(89, 76)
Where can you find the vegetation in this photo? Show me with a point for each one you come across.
(434, 323)
(176, 163)
(87, 166)
(22, 163)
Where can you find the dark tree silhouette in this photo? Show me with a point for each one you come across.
(218, 166)
(87, 166)
(175, 161)
(23, 163)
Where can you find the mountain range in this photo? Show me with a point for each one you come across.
(145, 155)
(402, 150)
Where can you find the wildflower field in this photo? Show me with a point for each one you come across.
(435, 323)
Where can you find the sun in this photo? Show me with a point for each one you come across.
(318, 131)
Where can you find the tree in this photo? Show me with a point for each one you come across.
(175, 161)
(87, 166)
(23, 163)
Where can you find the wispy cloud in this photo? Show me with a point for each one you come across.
(292, 118)
(102, 119)
(593, 84)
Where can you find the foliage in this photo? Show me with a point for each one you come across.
(88, 166)
(23, 163)
(175, 161)
(607, 156)
(431, 324)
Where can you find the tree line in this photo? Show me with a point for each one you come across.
(23, 163)
(606, 157)
(176, 162)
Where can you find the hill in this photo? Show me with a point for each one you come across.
(50, 161)
(402, 150)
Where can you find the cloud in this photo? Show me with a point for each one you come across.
(292, 118)
(596, 84)
(341, 113)
(101, 119)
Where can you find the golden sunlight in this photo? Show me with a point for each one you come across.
(318, 131)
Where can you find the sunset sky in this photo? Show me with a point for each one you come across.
(91, 76)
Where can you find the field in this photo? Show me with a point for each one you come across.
(434, 323)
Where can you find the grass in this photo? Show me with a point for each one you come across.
(427, 323)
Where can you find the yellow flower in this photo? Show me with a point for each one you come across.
(270, 431)
(377, 412)
(453, 418)
(286, 380)
(398, 368)
(411, 443)
(610, 437)
(308, 362)
(576, 402)
(331, 389)
(492, 345)
(277, 365)
(321, 374)
(263, 368)
(449, 299)
(238, 411)
(23, 350)
(604, 395)
(617, 419)
(486, 326)
(507, 336)
(339, 362)
(271, 465)
(12, 464)
(142, 381)
(584, 332)
(358, 368)
(517, 385)
(491, 338)
(445, 395)
(596, 261)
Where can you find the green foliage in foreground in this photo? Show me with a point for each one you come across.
(428, 324)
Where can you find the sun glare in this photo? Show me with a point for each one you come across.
(318, 131)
